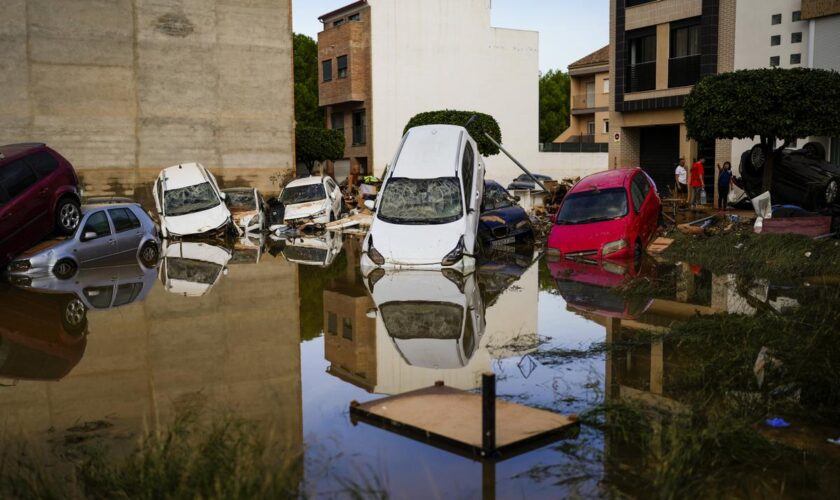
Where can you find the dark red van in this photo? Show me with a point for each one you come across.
(39, 193)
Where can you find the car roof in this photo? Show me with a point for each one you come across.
(492, 183)
(89, 207)
(305, 181)
(238, 190)
(9, 150)
(606, 179)
(430, 151)
(183, 175)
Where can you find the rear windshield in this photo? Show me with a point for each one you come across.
(189, 199)
(593, 206)
(421, 201)
(194, 271)
(303, 194)
(243, 200)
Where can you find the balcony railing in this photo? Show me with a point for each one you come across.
(683, 71)
(575, 147)
(583, 101)
(641, 76)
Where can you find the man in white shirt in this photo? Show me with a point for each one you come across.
(681, 178)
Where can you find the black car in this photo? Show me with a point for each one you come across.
(502, 220)
(525, 181)
(800, 176)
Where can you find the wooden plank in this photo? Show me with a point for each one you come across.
(805, 226)
(453, 417)
(659, 245)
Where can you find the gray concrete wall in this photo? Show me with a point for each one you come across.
(150, 83)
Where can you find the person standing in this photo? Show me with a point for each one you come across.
(698, 184)
(681, 179)
(724, 182)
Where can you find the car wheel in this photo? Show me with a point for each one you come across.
(74, 317)
(149, 254)
(758, 157)
(64, 269)
(831, 190)
(815, 150)
(68, 214)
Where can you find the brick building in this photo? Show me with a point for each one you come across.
(589, 120)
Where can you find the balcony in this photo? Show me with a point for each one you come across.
(583, 102)
(683, 71)
(641, 76)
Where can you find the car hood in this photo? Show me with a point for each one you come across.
(412, 244)
(301, 210)
(197, 223)
(587, 237)
(44, 247)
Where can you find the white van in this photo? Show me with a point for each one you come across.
(189, 202)
(427, 213)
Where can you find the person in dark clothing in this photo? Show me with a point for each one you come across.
(724, 181)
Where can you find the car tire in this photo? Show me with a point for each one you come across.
(831, 191)
(74, 317)
(64, 269)
(68, 214)
(815, 150)
(758, 157)
(149, 254)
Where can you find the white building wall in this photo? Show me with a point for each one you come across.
(438, 54)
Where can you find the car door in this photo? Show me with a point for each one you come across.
(472, 200)
(127, 231)
(637, 199)
(25, 215)
(334, 194)
(97, 244)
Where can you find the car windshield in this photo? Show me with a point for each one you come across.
(421, 201)
(194, 271)
(189, 199)
(496, 197)
(303, 194)
(422, 320)
(593, 206)
(243, 200)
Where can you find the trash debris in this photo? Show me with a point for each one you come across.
(764, 360)
(807, 254)
(834, 441)
(777, 423)
(739, 246)
(659, 245)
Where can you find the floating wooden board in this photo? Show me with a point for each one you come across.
(451, 419)
(352, 221)
(659, 245)
(806, 226)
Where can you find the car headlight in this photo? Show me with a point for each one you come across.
(553, 254)
(20, 266)
(20, 281)
(374, 255)
(613, 247)
(455, 255)
(319, 213)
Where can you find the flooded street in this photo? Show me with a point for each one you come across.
(287, 333)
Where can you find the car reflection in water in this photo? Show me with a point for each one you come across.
(191, 268)
(248, 249)
(320, 250)
(435, 319)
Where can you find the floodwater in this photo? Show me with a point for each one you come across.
(290, 333)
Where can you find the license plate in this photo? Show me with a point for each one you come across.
(505, 241)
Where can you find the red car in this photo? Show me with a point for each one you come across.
(607, 215)
(39, 193)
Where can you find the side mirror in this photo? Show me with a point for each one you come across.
(223, 195)
(90, 235)
(370, 204)
(517, 198)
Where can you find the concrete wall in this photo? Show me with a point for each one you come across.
(826, 34)
(150, 83)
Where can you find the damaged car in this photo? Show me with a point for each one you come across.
(526, 181)
(191, 269)
(502, 220)
(189, 202)
(311, 200)
(800, 176)
(247, 208)
(320, 250)
(108, 234)
(426, 216)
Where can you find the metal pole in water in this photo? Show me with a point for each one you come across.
(514, 160)
(488, 413)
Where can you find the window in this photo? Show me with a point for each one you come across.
(796, 37)
(775, 40)
(355, 17)
(796, 16)
(467, 173)
(99, 296)
(776, 19)
(590, 128)
(592, 206)
(347, 329)
(641, 71)
(123, 219)
(332, 324)
(98, 224)
(359, 135)
(606, 126)
(606, 85)
(338, 22)
(326, 70)
(337, 121)
(496, 197)
(341, 62)
(17, 177)
(684, 61)
(795, 58)
(42, 163)
(774, 61)
(632, 3)
(127, 293)
(638, 191)
(685, 41)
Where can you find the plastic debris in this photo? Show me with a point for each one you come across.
(764, 360)
(777, 423)
(807, 254)
(739, 246)
(834, 441)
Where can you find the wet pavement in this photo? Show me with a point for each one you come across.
(288, 334)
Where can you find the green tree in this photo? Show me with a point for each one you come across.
(315, 144)
(783, 104)
(477, 127)
(554, 104)
(307, 112)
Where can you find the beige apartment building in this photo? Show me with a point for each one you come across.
(344, 75)
(589, 120)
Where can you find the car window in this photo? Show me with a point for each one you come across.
(495, 197)
(243, 200)
(331, 185)
(123, 219)
(190, 199)
(637, 193)
(467, 172)
(420, 201)
(99, 296)
(42, 163)
(127, 293)
(593, 206)
(97, 223)
(17, 177)
(303, 194)
(3, 196)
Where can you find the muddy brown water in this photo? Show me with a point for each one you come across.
(291, 336)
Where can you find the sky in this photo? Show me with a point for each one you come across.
(569, 29)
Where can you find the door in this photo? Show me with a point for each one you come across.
(659, 154)
(101, 247)
(25, 215)
(127, 231)
(590, 94)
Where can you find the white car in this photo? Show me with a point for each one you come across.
(427, 214)
(311, 200)
(189, 202)
(247, 208)
(435, 319)
(191, 268)
(318, 250)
